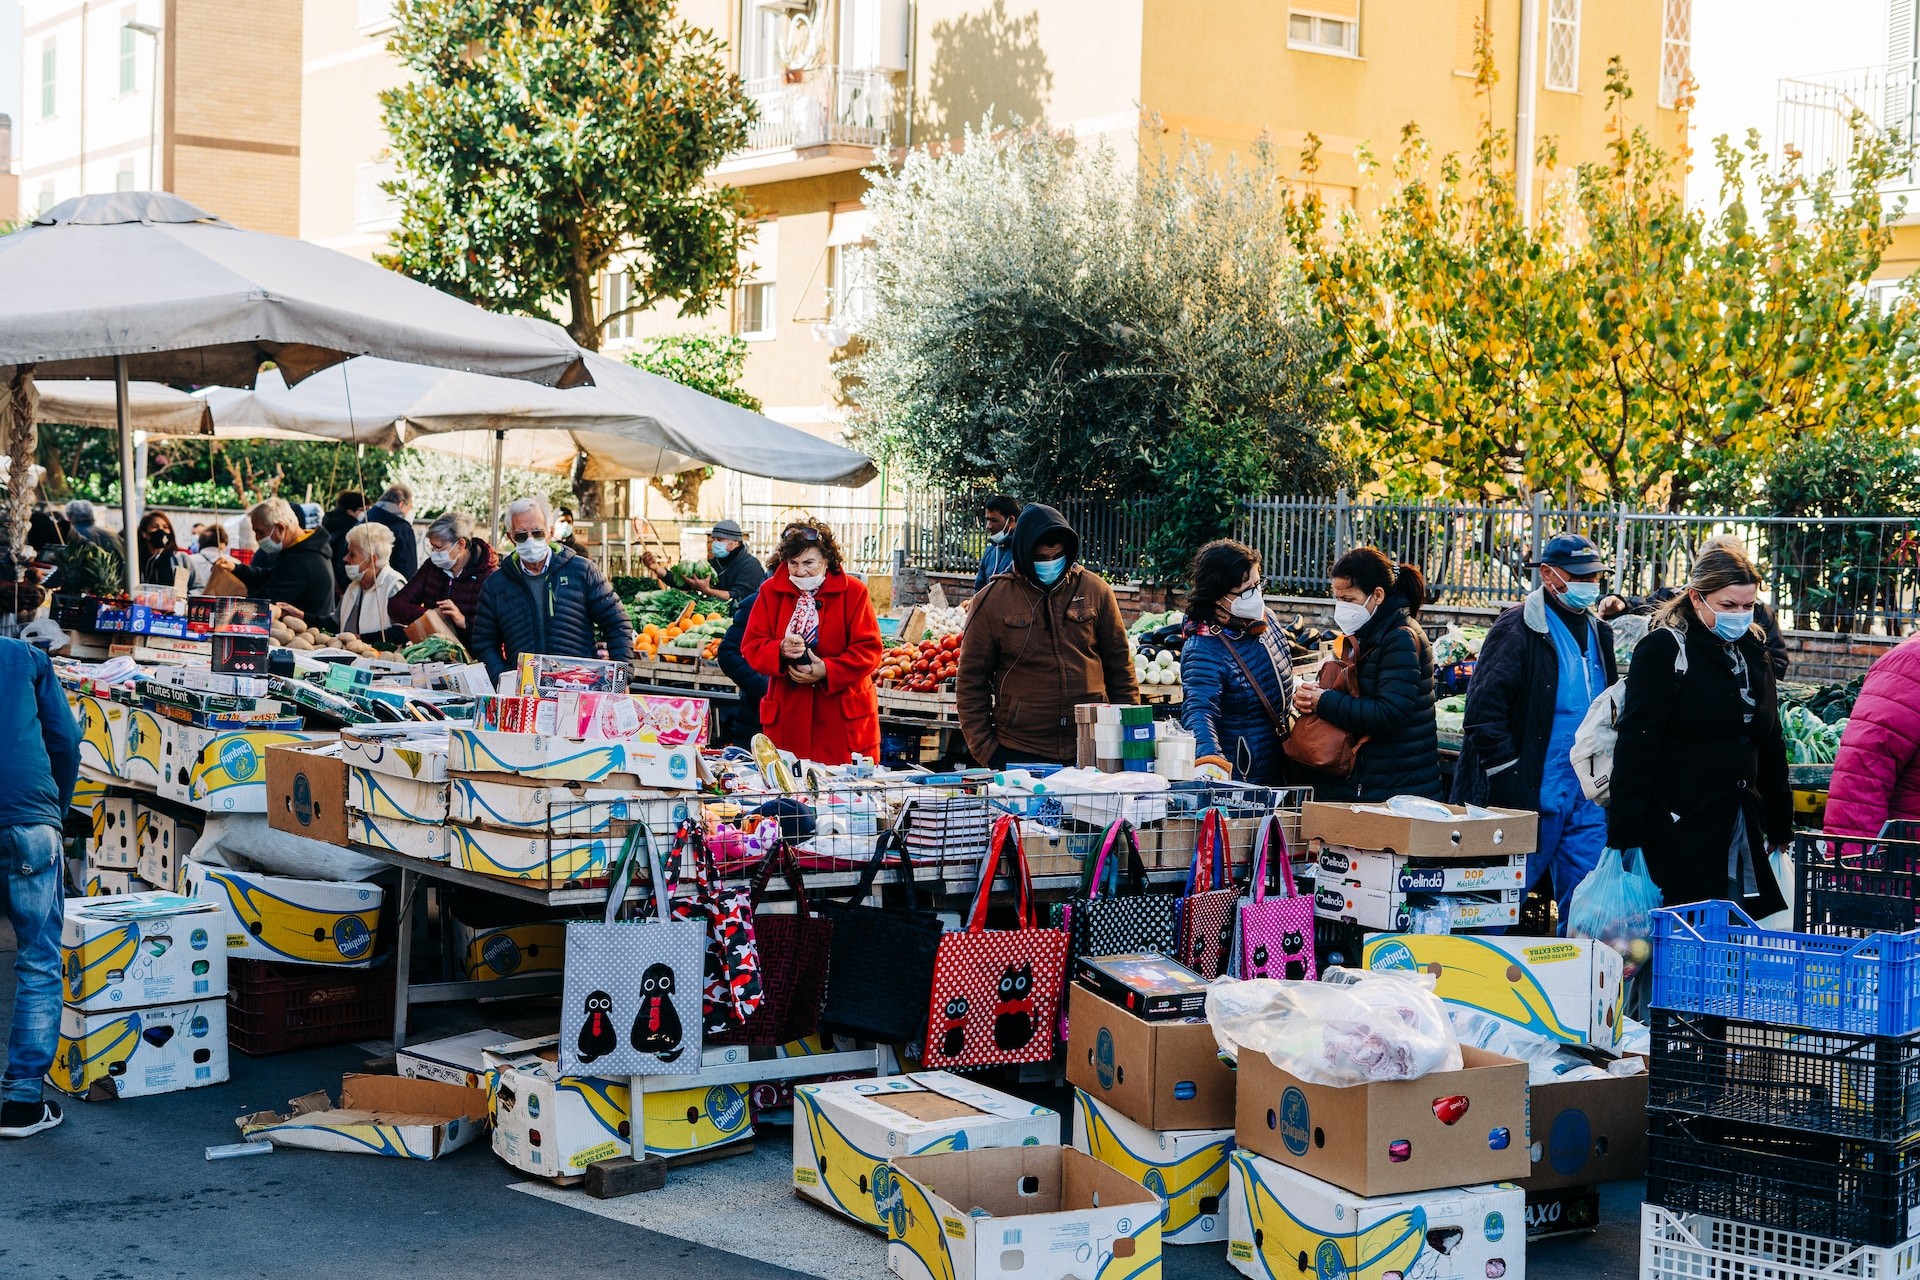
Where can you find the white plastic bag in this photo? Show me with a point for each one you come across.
(1350, 1028)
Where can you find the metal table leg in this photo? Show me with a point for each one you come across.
(403, 954)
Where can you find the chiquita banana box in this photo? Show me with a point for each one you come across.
(1186, 1168)
(1566, 989)
(681, 1121)
(504, 951)
(101, 722)
(138, 747)
(535, 857)
(327, 922)
(846, 1131)
(141, 949)
(114, 842)
(1277, 1217)
(221, 770)
(139, 1052)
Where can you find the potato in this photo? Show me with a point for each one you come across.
(300, 642)
(279, 634)
(297, 626)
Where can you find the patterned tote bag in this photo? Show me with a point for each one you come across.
(1207, 910)
(1119, 916)
(996, 992)
(630, 1003)
(1276, 933)
(734, 987)
(793, 946)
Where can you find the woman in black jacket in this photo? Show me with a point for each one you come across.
(1700, 768)
(1376, 605)
(160, 554)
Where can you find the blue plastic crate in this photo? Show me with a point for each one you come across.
(1711, 958)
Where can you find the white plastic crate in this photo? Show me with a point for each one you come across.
(1692, 1246)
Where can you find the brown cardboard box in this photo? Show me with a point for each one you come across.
(1170, 844)
(1513, 831)
(1050, 852)
(307, 792)
(1350, 1136)
(1583, 1132)
(1140, 1068)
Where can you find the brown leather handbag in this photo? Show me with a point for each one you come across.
(1317, 743)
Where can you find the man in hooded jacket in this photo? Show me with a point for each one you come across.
(1042, 638)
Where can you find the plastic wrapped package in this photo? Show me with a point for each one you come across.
(1350, 1028)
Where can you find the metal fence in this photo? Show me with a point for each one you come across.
(946, 532)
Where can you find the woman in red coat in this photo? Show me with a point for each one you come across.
(814, 636)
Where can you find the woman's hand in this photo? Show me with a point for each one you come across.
(1306, 698)
(792, 646)
(451, 612)
(813, 673)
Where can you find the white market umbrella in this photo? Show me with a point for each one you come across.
(144, 285)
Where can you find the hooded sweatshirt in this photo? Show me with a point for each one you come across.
(1032, 653)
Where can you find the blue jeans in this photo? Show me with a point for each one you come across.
(30, 865)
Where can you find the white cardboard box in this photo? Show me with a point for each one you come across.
(1396, 873)
(138, 1052)
(383, 795)
(428, 842)
(456, 1060)
(221, 771)
(377, 1116)
(164, 843)
(329, 922)
(402, 751)
(139, 746)
(1390, 909)
(845, 1132)
(537, 755)
(1186, 1168)
(1277, 1215)
(115, 954)
(576, 809)
(103, 882)
(115, 845)
(1567, 989)
(554, 1126)
(526, 855)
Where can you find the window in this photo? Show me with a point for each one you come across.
(763, 31)
(1468, 17)
(123, 177)
(851, 268)
(129, 63)
(49, 63)
(1330, 28)
(1563, 45)
(755, 317)
(1676, 49)
(753, 312)
(375, 16)
(616, 294)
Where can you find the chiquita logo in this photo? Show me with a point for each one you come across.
(302, 800)
(1103, 1058)
(677, 766)
(1296, 1124)
(239, 759)
(501, 954)
(1327, 1262)
(1391, 955)
(352, 937)
(726, 1108)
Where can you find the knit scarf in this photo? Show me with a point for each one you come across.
(806, 619)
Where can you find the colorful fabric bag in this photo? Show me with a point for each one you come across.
(1276, 933)
(1207, 911)
(794, 947)
(734, 987)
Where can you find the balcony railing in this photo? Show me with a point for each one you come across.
(1822, 118)
(825, 106)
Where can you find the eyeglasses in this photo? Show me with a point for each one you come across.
(803, 533)
(521, 535)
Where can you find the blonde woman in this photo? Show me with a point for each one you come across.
(371, 581)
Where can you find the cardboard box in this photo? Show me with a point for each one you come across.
(1277, 1216)
(115, 844)
(1567, 989)
(1397, 873)
(104, 883)
(1160, 1075)
(1057, 853)
(1145, 984)
(382, 795)
(420, 840)
(535, 858)
(307, 792)
(456, 1060)
(1584, 1132)
(139, 745)
(845, 1132)
(239, 654)
(377, 1116)
(222, 771)
(1051, 1213)
(1366, 826)
(399, 750)
(508, 804)
(1186, 1168)
(329, 922)
(1391, 1137)
(141, 949)
(1389, 909)
(534, 755)
(507, 951)
(135, 1053)
(546, 675)
(677, 1122)
(164, 842)
(101, 722)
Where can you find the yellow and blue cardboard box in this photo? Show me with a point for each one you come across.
(428, 842)
(115, 842)
(678, 1122)
(139, 747)
(101, 723)
(222, 771)
(400, 751)
(141, 949)
(609, 761)
(106, 882)
(377, 1116)
(328, 922)
(134, 1053)
(385, 795)
(509, 804)
(533, 857)
(164, 843)
(1186, 1168)
(1566, 989)
(846, 1131)
(1034, 1213)
(1278, 1216)
(506, 951)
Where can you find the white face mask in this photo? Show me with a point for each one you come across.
(442, 560)
(1247, 605)
(812, 582)
(269, 544)
(563, 530)
(534, 551)
(1350, 617)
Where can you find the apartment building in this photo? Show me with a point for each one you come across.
(182, 95)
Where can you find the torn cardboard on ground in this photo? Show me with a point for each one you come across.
(378, 1116)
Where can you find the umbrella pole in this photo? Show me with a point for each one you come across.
(129, 486)
(499, 448)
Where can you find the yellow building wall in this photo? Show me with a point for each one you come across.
(232, 141)
(345, 69)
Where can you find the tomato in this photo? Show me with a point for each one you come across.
(950, 642)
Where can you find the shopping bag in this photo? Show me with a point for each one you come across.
(1205, 939)
(1615, 905)
(996, 992)
(1276, 933)
(880, 963)
(733, 988)
(1119, 916)
(793, 947)
(630, 1002)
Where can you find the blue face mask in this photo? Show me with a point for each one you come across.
(1049, 571)
(1581, 595)
(1730, 626)
(719, 550)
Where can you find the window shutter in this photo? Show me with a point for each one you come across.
(1466, 14)
(1346, 10)
(759, 260)
(1902, 65)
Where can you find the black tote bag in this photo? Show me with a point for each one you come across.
(880, 965)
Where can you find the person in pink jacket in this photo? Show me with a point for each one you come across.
(1876, 773)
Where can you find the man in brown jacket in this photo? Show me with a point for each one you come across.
(1041, 639)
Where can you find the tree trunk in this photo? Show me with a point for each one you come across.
(583, 318)
(16, 422)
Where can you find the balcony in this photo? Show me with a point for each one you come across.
(1822, 117)
(828, 120)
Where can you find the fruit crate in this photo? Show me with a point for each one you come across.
(1855, 887)
(1695, 1246)
(275, 1008)
(1711, 958)
(1863, 1192)
(1864, 1087)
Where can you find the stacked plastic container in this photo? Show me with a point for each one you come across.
(1784, 1098)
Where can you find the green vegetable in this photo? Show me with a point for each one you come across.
(627, 587)
(435, 649)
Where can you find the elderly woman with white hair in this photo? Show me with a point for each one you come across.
(371, 581)
(458, 565)
(301, 574)
(546, 599)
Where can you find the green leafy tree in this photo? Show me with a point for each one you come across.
(540, 146)
(714, 363)
(443, 482)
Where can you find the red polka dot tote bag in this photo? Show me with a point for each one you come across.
(996, 992)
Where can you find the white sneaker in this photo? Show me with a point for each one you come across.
(24, 1119)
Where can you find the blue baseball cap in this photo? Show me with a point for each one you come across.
(1574, 554)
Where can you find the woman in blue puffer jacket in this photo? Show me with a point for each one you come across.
(1236, 675)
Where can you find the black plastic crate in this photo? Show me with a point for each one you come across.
(1338, 942)
(1864, 1087)
(1853, 887)
(1813, 1183)
(275, 1008)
